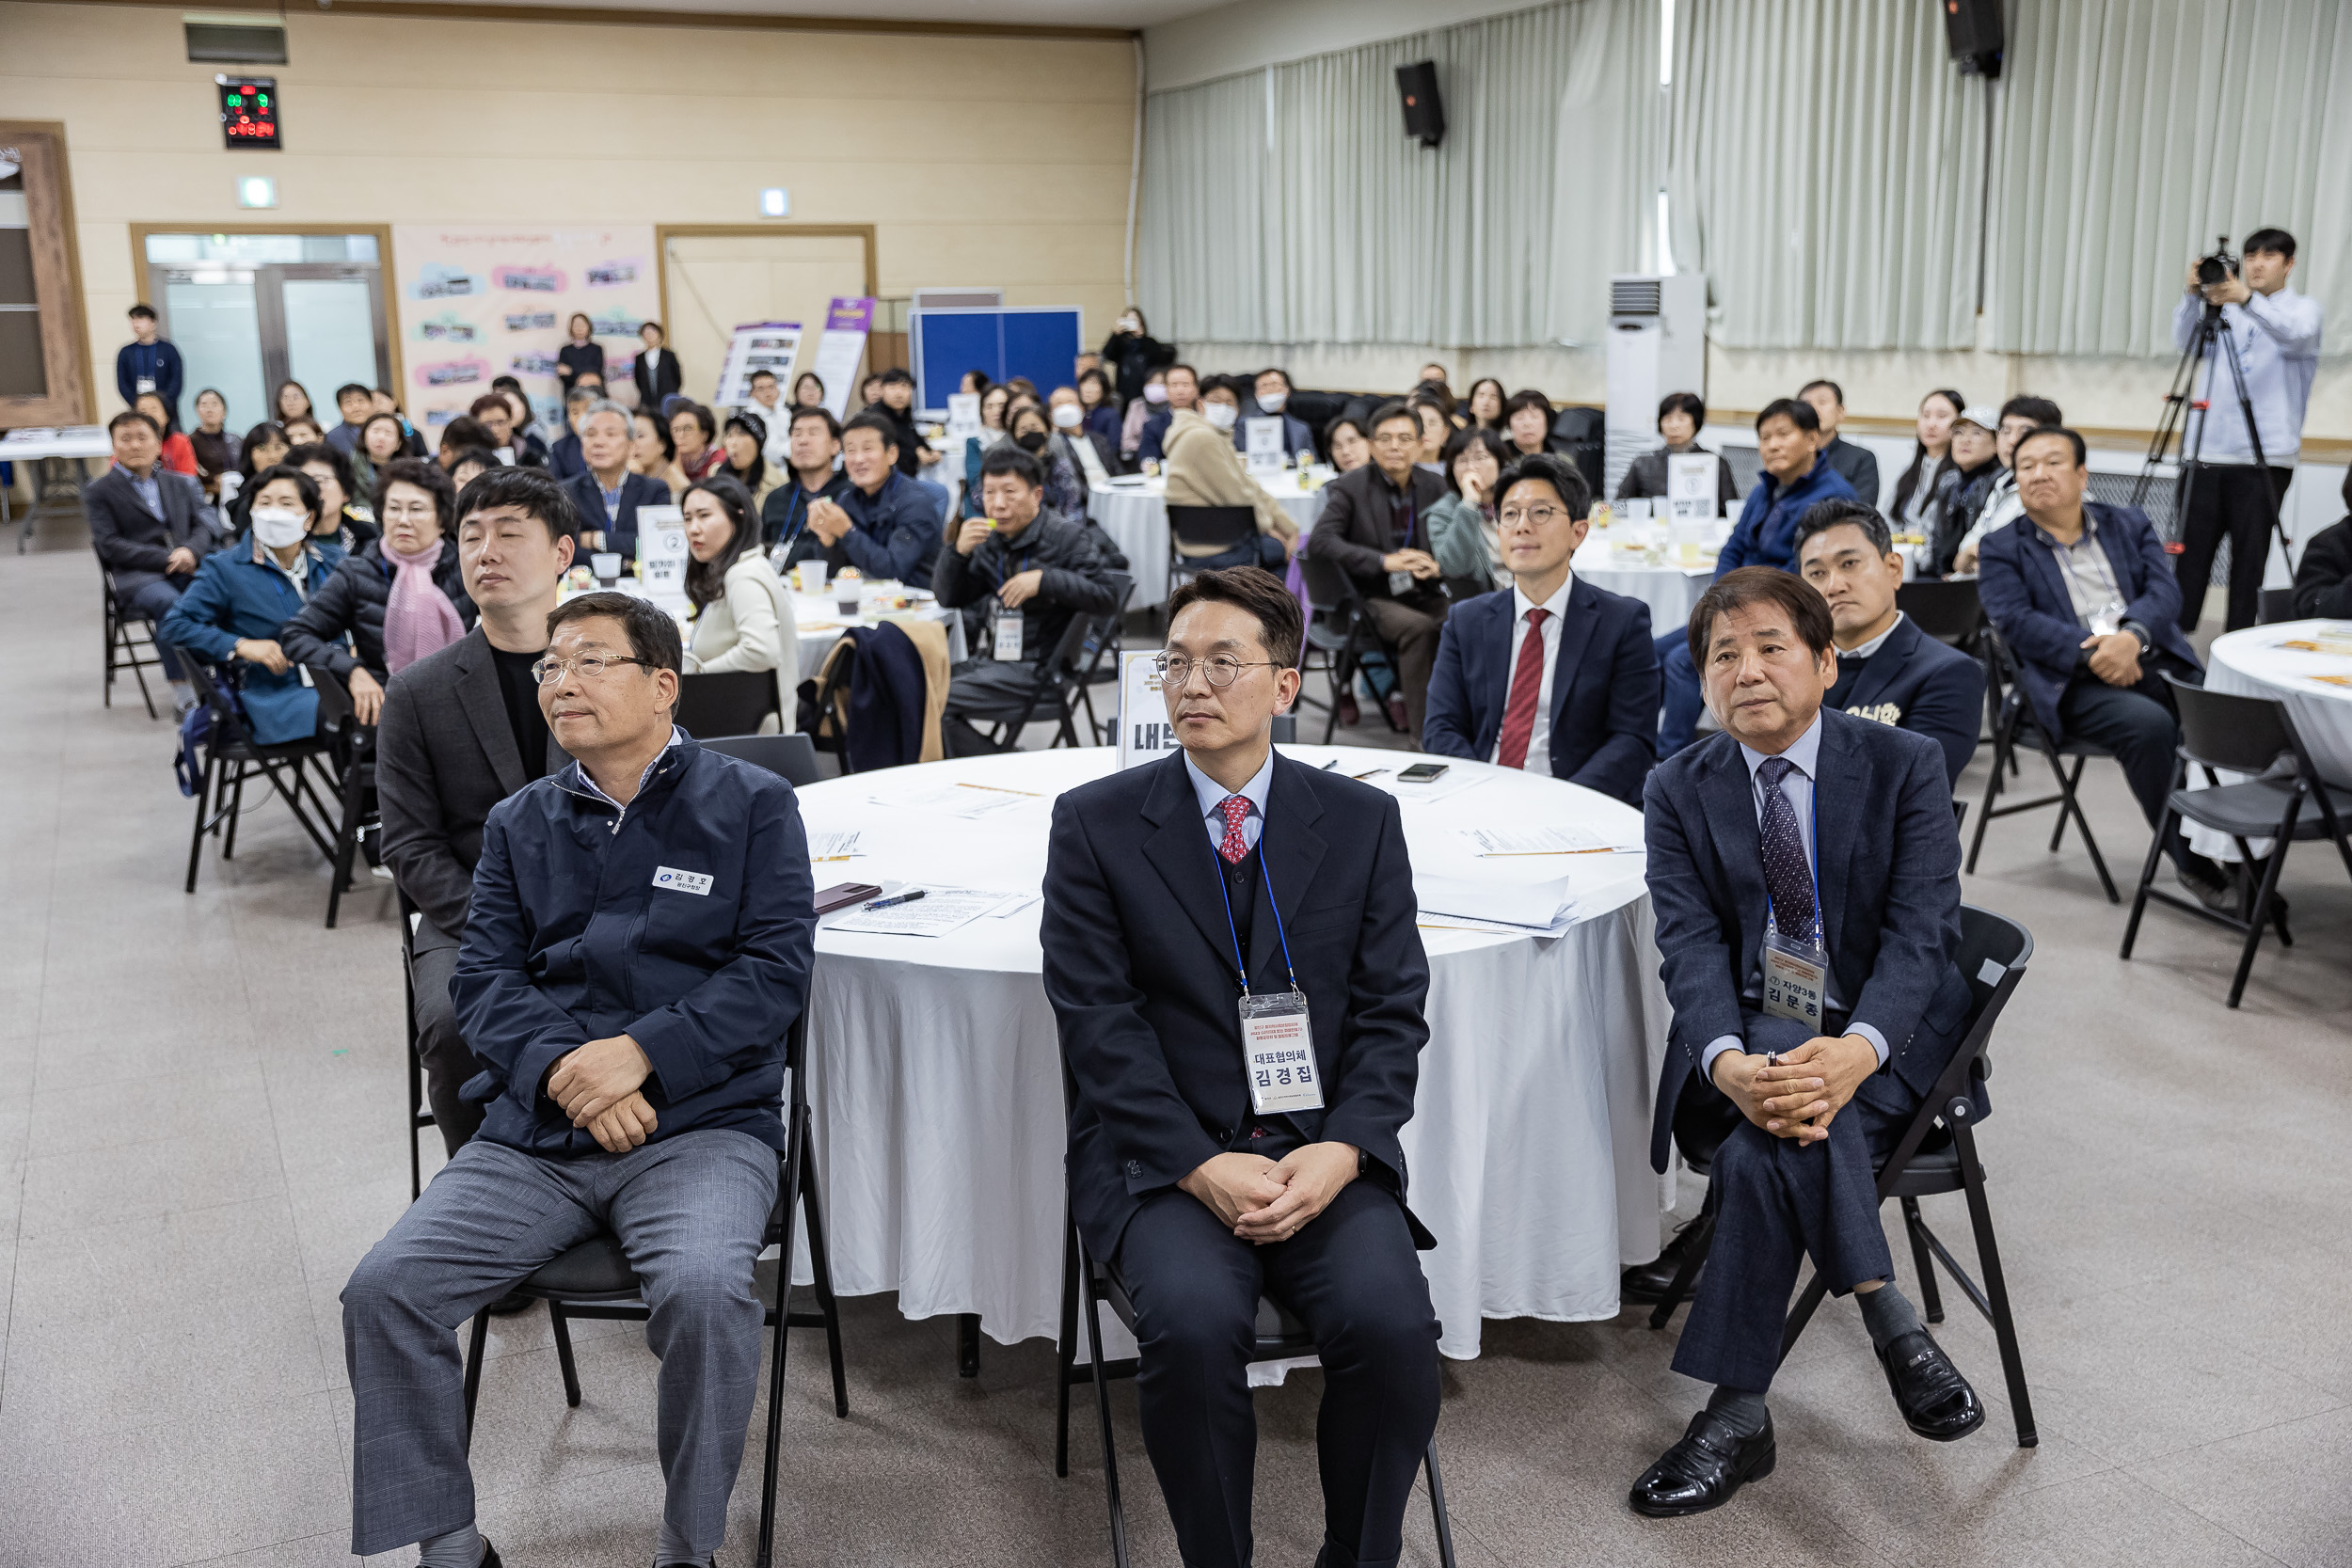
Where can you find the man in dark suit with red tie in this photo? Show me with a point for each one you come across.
(1556, 677)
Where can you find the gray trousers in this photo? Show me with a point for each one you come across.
(448, 1062)
(691, 1212)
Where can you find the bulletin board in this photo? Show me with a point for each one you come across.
(1037, 342)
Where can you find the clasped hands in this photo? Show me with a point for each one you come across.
(1798, 1095)
(1269, 1200)
(596, 1085)
(2115, 658)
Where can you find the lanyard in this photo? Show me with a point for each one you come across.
(1812, 868)
(1004, 571)
(1241, 965)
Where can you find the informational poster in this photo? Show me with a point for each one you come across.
(662, 557)
(963, 418)
(482, 300)
(1691, 486)
(1144, 732)
(1262, 444)
(841, 349)
(769, 346)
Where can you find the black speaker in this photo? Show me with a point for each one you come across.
(1973, 27)
(1424, 115)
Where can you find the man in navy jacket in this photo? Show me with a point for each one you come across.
(1887, 668)
(639, 945)
(1797, 830)
(1270, 392)
(2086, 597)
(885, 524)
(1557, 675)
(1182, 896)
(604, 493)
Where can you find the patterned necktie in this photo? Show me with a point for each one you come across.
(1527, 684)
(1236, 812)
(1787, 877)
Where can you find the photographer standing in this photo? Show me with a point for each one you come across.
(2275, 331)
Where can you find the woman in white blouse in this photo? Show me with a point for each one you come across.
(743, 611)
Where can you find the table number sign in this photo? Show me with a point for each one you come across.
(1144, 732)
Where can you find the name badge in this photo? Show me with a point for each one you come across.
(1400, 584)
(144, 383)
(1006, 639)
(1278, 1053)
(696, 882)
(1795, 975)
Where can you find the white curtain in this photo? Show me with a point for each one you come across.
(2135, 132)
(1824, 170)
(1289, 205)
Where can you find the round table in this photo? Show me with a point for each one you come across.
(1670, 589)
(820, 623)
(1133, 510)
(2315, 684)
(935, 1068)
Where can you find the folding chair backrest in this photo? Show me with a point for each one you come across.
(2277, 604)
(1947, 611)
(1212, 527)
(790, 757)
(1103, 631)
(1990, 946)
(1328, 587)
(2221, 729)
(725, 701)
(334, 699)
(1285, 729)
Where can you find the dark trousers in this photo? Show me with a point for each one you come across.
(1351, 1275)
(1414, 631)
(150, 602)
(980, 687)
(1265, 550)
(2235, 500)
(1678, 721)
(448, 1061)
(2137, 723)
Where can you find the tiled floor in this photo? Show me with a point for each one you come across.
(200, 1110)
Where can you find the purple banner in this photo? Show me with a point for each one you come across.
(850, 315)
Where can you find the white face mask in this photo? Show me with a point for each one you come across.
(1067, 416)
(1221, 415)
(1272, 401)
(1155, 393)
(276, 527)
(1130, 323)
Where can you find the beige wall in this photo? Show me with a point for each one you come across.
(392, 121)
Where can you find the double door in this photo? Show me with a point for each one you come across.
(245, 327)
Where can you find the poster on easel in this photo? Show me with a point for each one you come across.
(756, 346)
(841, 349)
(1144, 732)
(662, 558)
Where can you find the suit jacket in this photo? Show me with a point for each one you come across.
(654, 385)
(1857, 464)
(2025, 596)
(1888, 858)
(444, 756)
(1138, 965)
(1916, 683)
(635, 490)
(133, 541)
(1361, 522)
(1604, 688)
(565, 459)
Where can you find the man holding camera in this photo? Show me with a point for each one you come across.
(2234, 486)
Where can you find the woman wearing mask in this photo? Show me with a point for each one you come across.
(1680, 417)
(580, 353)
(1204, 469)
(652, 452)
(1089, 456)
(244, 594)
(293, 403)
(1348, 442)
(742, 439)
(179, 456)
(1030, 428)
(1485, 403)
(1132, 354)
(1462, 532)
(397, 601)
(1913, 511)
(1963, 487)
(808, 390)
(742, 614)
(382, 439)
(1154, 398)
(992, 404)
(342, 517)
(215, 448)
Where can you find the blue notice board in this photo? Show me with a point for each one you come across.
(1039, 342)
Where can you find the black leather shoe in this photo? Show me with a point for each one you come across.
(490, 1555)
(1350, 714)
(1647, 1283)
(1935, 1400)
(1703, 1470)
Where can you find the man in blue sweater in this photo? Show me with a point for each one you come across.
(147, 363)
(1766, 535)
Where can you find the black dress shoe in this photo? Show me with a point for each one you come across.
(1703, 1470)
(1935, 1400)
(1350, 714)
(490, 1555)
(1647, 1283)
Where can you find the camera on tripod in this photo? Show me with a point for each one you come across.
(2220, 264)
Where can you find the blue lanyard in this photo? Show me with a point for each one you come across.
(1241, 965)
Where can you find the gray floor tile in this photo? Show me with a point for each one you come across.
(2280, 1488)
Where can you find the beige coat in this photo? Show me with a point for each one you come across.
(750, 627)
(1204, 469)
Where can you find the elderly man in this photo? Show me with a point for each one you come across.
(604, 493)
(152, 529)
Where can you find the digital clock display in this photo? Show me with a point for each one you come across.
(248, 110)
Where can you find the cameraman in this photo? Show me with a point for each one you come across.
(2277, 334)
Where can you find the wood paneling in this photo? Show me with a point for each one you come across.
(57, 281)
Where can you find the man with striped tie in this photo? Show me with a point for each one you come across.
(1556, 677)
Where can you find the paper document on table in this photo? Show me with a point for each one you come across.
(1556, 840)
(959, 799)
(1431, 921)
(940, 911)
(1533, 899)
(833, 846)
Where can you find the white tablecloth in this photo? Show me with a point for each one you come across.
(936, 1081)
(1672, 591)
(1133, 510)
(2254, 663)
(820, 623)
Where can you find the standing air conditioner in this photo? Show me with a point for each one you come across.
(1657, 345)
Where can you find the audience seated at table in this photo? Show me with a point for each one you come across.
(399, 599)
(214, 447)
(1031, 570)
(460, 731)
(1269, 397)
(1963, 485)
(661, 1129)
(1029, 427)
(1375, 527)
(1912, 509)
(1093, 457)
(1130, 354)
(1348, 443)
(1102, 405)
(2020, 415)
(1788, 442)
(1205, 469)
(1182, 387)
(563, 458)
(742, 609)
(179, 456)
(1139, 413)
(881, 522)
(994, 401)
(605, 495)
(1858, 465)
(343, 515)
(896, 404)
(812, 472)
(1680, 417)
(151, 528)
(651, 453)
(531, 448)
(2323, 578)
(1482, 405)
(382, 439)
(471, 464)
(242, 597)
(1527, 417)
(1462, 525)
(2083, 593)
(1887, 668)
(1791, 808)
(1556, 677)
(655, 368)
(744, 440)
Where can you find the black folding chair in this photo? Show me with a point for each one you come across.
(792, 757)
(1210, 530)
(1060, 679)
(2243, 734)
(1937, 1154)
(2276, 604)
(232, 756)
(823, 697)
(725, 701)
(2014, 726)
(1106, 639)
(1947, 611)
(130, 644)
(420, 1117)
(1341, 629)
(351, 752)
(594, 1281)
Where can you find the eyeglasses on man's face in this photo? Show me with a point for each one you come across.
(1222, 670)
(1537, 516)
(592, 667)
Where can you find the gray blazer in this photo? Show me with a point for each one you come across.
(133, 541)
(444, 756)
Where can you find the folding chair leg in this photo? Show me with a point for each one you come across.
(770, 1462)
(1996, 1287)
(1992, 793)
(1065, 1344)
(1931, 1299)
(2261, 915)
(820, 1266)
(1437, 1508)
(2066, 788)
(1693, 1262)
(2147, 877)
(236, 811)
(480, 1341)
(563, 1328)
(204, 804)
(967, 1344)
(346, 841)
(1103, 1411)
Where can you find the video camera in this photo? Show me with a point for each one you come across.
(2220, 264)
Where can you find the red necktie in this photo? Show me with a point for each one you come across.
(1527, 684)
(1236, 809)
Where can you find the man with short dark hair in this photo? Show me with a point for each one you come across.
(896, 404)
(1858, 465)
(606, 496)
(1887, 668)
(1271, 395)
(1226, 1145)
(565, 459)
(357, 405)
(1183, 392)
(812, 444)
(1374, 527)
(152, 529)
(883, 523)
(1804, 868)
(147, 363)
(2323, 578)
(639, 945)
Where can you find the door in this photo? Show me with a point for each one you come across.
(716, 282)
(248, 312)
(321, 324)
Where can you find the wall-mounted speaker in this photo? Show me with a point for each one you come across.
(1973, 28)
(1424, 115)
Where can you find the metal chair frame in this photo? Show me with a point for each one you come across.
(125, 647)
(421, 1117)
(1357, 634)
(2014, 723)
(1061, 678)
(232, 756)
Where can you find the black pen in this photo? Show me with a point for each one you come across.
(901, 898)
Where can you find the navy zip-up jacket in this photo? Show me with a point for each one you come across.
(1766, 534)
(581, 931)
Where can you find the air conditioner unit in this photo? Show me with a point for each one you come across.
(1657, 345)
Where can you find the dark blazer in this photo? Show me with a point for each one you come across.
(1859, 465)
(572, 358)
(1646, 477)
(2026, 599)
(1361, 522)
(1916, 683)
(2323, 578)
(133, 541)
(1888, 855)
(350, 605)
(565, 458)
(444, 756)
(635, 490)
(654, 385)
(1604, 688)
(1138, 965)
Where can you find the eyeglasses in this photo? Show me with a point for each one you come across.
(1539, 515)
(1222, 670)
(548, 671)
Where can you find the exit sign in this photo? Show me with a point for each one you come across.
(248, 110)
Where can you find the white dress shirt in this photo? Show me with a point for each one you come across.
(1865, 651)
(1539, 739)
(2277, 342)
(1211, 794)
